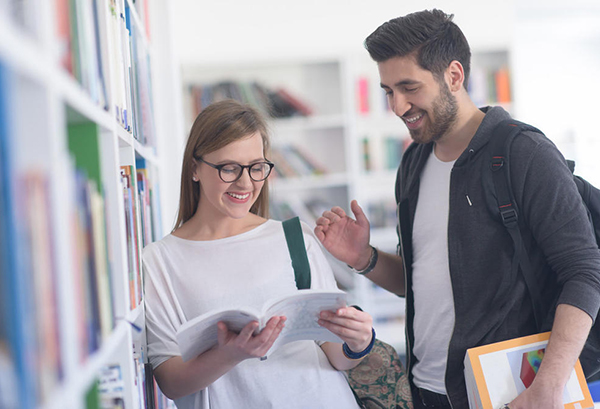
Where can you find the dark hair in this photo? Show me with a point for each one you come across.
(431, 35)
(218, 125)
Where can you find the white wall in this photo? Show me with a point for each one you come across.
(234, 30)
(556, 77)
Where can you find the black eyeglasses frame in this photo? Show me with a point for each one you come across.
(242, 167)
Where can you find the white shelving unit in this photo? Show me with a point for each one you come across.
(55, 126)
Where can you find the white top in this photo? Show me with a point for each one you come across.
(432, 288)
(185, 278)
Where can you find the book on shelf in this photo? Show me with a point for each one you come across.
(300, 106)
(132, 229)
(276, 103)
(93, 260)
(140, 114)
(497, 373)
(294, 161)
(301, 308)
(366, 153)
(148, 186)
(362, 94)
(502, 81)
(111, 387)
(16, 372)
(37, 221)
(490, 85)
(78, 31)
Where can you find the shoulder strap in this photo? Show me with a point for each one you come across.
(502, 138)
(295, 243)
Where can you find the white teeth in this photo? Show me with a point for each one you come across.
(413, 119)
(240, 197)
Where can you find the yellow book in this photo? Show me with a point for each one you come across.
(497, 373)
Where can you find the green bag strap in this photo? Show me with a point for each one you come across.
(295, 243)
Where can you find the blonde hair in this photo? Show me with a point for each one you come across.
(218, 125)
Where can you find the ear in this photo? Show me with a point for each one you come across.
(455, 76)
(194, 169)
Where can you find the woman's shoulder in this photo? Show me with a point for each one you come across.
(158, 247)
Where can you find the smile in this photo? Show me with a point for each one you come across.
(413, 119)
(239, 197)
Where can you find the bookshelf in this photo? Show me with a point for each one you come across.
(355, 141)
(80, 171)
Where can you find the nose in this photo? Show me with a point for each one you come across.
(244, 180)
(400, 104)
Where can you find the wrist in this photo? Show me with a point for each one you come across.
(370, 265)
(350, 354)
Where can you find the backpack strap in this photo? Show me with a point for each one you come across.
(503, 135)
(295, 243)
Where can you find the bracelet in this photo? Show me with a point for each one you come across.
(371, 265)
(357, 355)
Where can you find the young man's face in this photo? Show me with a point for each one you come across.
(426, 106)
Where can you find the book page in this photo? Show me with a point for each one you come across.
(200, 334)
(302, 311)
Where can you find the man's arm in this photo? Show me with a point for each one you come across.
(569, 333)
(389, 273)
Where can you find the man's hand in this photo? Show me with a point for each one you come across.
(345, 238)
(537, 396)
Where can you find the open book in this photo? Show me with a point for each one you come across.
(497, 373)
(301, 308)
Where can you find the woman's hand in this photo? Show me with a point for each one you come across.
(246, 344)
(353, 326)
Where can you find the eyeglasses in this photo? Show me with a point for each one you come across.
(231, 172)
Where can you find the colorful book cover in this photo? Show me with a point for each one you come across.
(497, 373)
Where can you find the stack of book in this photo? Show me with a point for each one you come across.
(276, 103)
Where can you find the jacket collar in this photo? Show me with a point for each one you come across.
(493, 116)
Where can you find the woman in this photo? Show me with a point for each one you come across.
(225, 253)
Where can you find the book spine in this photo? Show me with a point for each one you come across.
(363, 95)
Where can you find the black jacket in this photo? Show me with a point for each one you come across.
(554, 225)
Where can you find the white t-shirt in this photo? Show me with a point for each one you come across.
(432, 288)
(185, 278)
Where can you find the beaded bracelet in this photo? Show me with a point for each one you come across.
(357, 355)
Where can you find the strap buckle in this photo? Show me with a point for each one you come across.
(497, 163)
(509, 216)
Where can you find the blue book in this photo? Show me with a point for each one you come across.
(17, 308)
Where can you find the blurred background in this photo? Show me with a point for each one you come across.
(96, 101)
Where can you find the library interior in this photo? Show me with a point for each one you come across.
(97, 98)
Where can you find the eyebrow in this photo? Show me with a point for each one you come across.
(401, 83)
(229, 161)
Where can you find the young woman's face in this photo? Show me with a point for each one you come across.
(221, 199)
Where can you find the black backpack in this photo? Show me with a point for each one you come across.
(498, 180)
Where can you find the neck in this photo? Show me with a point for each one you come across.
(453, 144)
(203, 227)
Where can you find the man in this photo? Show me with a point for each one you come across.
(454, 257)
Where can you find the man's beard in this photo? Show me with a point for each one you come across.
(443, 116)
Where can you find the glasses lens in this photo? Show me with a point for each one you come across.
(260, 171)
(230, 172)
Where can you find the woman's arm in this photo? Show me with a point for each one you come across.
(177, 378)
